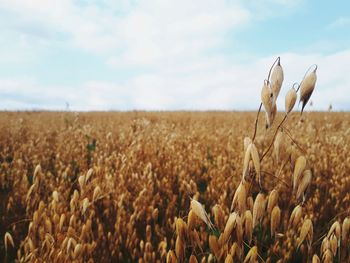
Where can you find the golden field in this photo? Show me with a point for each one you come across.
(123, 187)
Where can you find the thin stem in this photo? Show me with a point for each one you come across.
(290, 137)
(279, 179)
(274, 137)
(256, 122)
(278, 59)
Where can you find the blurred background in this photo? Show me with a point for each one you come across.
(168, 55)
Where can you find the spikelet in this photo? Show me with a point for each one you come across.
(77, 251)
(248, 225)
(246, 143)
(179, 248)
(198, 209)
(96, 194)
(306, 232)
(291, 98)
(307, 86)
(271, 117)
(191, 220)
(37, 172)
(239, 198)
(214, 245)
(219, 216)
(275, 219)
(181, 228)
(335, 229)
(295, 217)
(252, 255)
(345, 230)
(267, 97)
(81, 181)
(258, 208)
(192, 259)
(316, 259)
(85, 205)
(278, 144)
(8, 240)
(327, 256)
(304, 183)
(300, 165)
(171, 258)
(256, 161)
(230, 224)
(62, 219)
(88, 174)
(272, 200)
(228, 259)
(246, 161)
(55, 196)
(276, 80)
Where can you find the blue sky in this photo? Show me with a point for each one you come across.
(168, 55)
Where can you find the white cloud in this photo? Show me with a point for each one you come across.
(214, 86)
(174, 43)
(339, 22)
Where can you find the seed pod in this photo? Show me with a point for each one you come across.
(214, 245)
(335, 229)
(307, 86)
(228, 259)
(230, 224)
(290, 100)
(272, 200)
(246, 161)
(81, 181)
(96, 194)
(8, 240)
(85, 205)
(219, 217)
(327, 256)
(258, 208)
(252, 255)
(179, 248)
(181, 228)
(304, 183)
(171, 258)
(88, 174)
(276, 80)
(300, 165)
(246, 143)
(295, 216)
(256, 161)
(77, 250)
(267, 97)
(191, 220)
(62, 219)
(316, 259)
(270, 117)
(275, 219)
(200, 212)
(193, 259)
(306, 232)
(345, 230)
(239, 198)
(248, 225)
(55, 196)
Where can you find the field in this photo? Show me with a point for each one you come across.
(168, 186)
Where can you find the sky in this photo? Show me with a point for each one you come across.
(169, 55)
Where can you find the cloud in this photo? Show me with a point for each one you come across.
(339, 22)
(175, 51)
(223, 86)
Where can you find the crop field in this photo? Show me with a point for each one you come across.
(168, 186)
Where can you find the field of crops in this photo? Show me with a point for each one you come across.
(151, 187)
